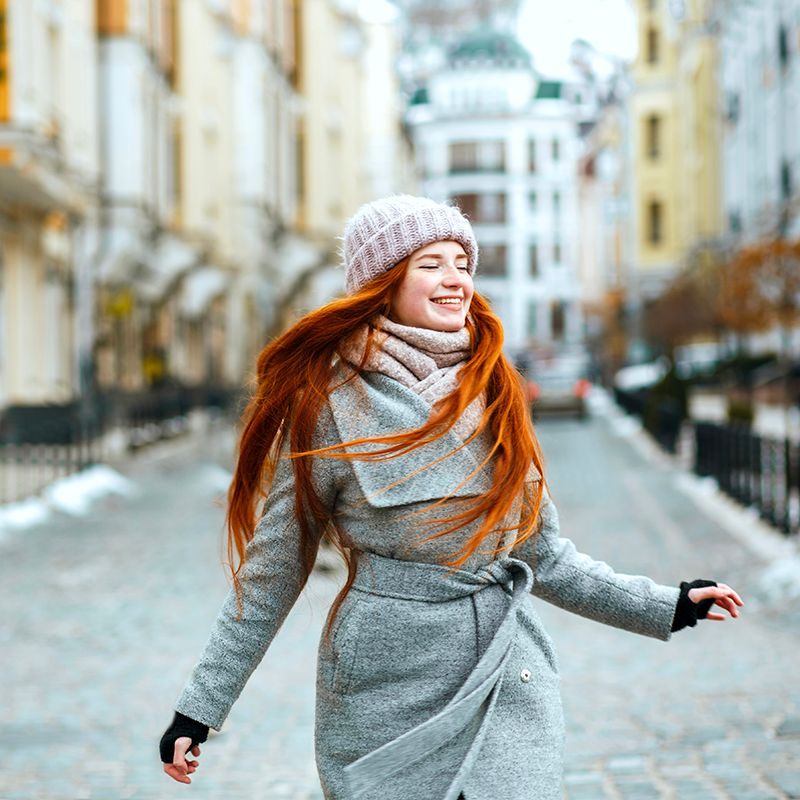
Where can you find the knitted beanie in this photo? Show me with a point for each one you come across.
(384, 232)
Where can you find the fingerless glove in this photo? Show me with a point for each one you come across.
(181, 726)
(686, 612)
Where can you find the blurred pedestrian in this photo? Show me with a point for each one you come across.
(390, 423)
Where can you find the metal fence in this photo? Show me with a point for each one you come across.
(661, 415)
(754, 470)
(26, 469)
(42, 445)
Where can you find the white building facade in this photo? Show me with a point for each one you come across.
(49, 172)
(503, 145)
(760, 81)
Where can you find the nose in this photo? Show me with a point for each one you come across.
(453, 275)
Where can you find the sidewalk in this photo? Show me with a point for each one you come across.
(781, 580)
(213, 438)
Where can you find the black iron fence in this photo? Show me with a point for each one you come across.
(755, 470)
(661, 415)
(39, 445)
(26, 469)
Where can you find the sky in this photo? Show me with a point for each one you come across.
(548, 26)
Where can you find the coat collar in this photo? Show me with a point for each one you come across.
(373, 404)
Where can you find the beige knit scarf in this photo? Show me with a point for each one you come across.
(425, 361)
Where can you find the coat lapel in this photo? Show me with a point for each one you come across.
(372, 405)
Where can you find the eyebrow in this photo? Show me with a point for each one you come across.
(439, 256)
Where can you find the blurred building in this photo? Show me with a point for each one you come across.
(174, 177)
(676, 152)
(503, 143)
(760, 105)
(49, 172)
(198, 112)
(352, 144)
(139, 258)
(760, 108)
(605, 240)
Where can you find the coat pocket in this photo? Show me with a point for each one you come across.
(340, 653)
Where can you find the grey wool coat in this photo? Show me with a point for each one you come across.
(432, 683)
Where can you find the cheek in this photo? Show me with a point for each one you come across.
(417, 292)
(469, 289)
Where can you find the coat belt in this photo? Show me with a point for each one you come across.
(474, 701)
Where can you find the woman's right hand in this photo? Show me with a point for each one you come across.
(180, 769)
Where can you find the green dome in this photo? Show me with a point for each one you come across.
(491, 46)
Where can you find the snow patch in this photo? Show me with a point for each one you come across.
(781, 580)
(692, 484)
(23, 515)
(640, 376)
(599, 402)
(75, 494)
(213, 478)
(625, 426)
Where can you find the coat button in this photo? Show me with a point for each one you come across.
(525, 675)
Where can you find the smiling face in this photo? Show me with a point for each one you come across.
(437, 289)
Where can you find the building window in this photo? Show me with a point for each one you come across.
(654, 136)
(556, 204)
(487, 209)
(557, 252)
(533, 261)
(786, 180)
(556, 150)
(557, 320)
(532, 319)
(492, 157)
(532, 156)
(532, 202)
(463, 157)
(656, 220)
(492, 263)
(652, 46)
(733, 107)
(477, 157)
(783, 46)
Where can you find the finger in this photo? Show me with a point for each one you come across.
(728, 604)
(731, 609)
(716, 617)
(195, 751)
(182, 746)
(731, 593)
(176, 774)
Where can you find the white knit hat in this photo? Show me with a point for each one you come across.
(384, 232)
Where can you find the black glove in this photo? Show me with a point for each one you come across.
(181, 726)
(686, 612)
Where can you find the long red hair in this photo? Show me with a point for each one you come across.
(290, 407)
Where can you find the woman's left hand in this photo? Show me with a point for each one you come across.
(723, 596)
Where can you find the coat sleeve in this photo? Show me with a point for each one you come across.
(271, 583)
(575, 582)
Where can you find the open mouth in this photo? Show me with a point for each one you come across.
(448, 301)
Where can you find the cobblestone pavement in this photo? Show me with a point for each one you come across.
(101, 619)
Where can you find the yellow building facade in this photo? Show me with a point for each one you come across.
(676, 207)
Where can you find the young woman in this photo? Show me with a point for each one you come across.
(390, 422)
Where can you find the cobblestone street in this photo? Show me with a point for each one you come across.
(103, 616)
